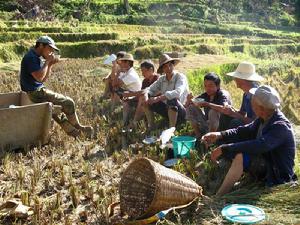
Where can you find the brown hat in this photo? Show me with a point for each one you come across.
(163, 59)
(126, 57)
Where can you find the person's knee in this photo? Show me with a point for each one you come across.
(213, 120)
(238, 160)
(190, 112)
(68, 106)
(213, 115)
(172, 105)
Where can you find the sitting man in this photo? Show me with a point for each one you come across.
(214, 100)
(266, 143)
(115, 72)
(245, 78)
(127, 83)
(167, 95)
(32, 76)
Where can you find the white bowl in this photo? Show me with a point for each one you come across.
(149, 140)
(198, 100)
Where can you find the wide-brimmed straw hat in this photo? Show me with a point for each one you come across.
(126, 57)
(246, 71)
(163, 59)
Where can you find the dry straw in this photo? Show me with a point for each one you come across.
(147, 187)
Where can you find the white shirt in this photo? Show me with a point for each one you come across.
(131, 80)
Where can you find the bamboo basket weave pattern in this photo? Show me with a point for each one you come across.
(147, 187)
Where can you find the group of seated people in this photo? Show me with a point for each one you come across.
(167, 93)
(257, 138)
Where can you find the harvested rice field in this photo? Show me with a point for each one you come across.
(72, 181)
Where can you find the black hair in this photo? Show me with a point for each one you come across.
(37, 44)
(121, 54)
(148, 64)
(213, 77)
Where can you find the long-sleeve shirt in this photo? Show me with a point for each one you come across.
(177, 87)
(276, 143)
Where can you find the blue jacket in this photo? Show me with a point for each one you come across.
(276, 144)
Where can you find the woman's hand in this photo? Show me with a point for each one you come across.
(211, 137)
(215, 154)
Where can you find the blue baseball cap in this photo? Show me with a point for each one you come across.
(47, 40)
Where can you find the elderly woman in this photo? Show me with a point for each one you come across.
(268, 141)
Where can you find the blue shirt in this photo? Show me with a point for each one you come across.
(276, 144)
(31, 62)
(246, 106)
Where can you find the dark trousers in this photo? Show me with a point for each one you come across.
(162, 109)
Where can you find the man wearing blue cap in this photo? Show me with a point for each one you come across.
(265, 146)
(34, 72)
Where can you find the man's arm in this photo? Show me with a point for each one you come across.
(218, 108)
(43, 74)
(154, 88)
(117, 82)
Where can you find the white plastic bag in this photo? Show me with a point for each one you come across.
(166, 135)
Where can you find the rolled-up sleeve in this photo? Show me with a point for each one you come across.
(180, 86)
(155, 87)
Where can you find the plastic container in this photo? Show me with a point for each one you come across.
(110, 59)
(182, 146)
(243, 214)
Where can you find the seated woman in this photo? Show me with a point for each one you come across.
(115, 72)
(214, 100)
(148, 72)
(267, 143)
(127, 83)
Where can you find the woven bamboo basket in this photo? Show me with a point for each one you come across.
(146, 187)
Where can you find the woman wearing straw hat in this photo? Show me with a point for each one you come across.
(265, 147)
(127, 83)
(115, 72)
(168, 94)
(245, 78)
